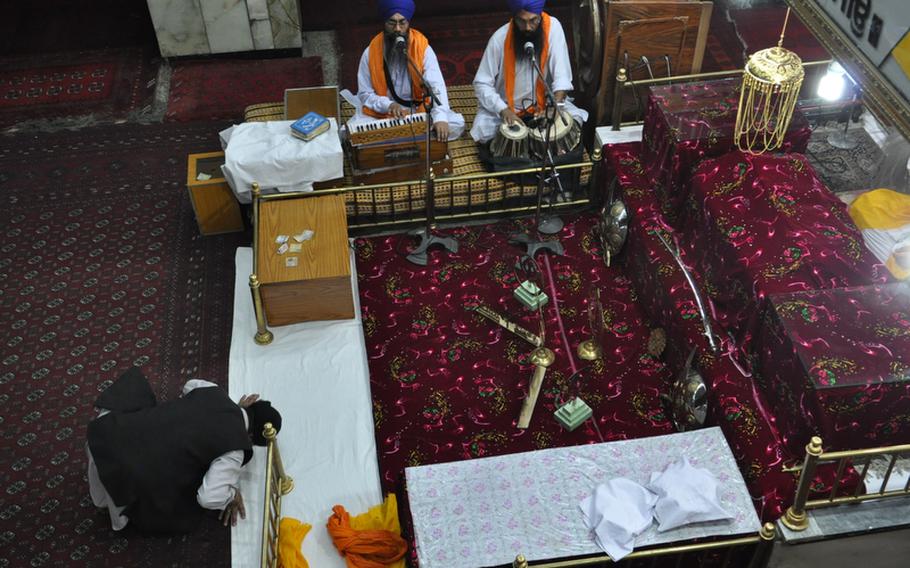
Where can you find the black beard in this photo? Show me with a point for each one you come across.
(520, 38)
(390, 52)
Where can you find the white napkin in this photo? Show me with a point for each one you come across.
(686, 495)
(619, 510)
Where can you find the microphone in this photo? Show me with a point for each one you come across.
(400, 43)
(529, 48)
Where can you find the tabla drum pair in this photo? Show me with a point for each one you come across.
(519, 141)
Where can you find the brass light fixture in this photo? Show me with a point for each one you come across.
(771, 83)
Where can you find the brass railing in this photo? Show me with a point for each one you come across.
(796, 518)
(624, 82)
(396, 205)
(277, 485)
(761, 543)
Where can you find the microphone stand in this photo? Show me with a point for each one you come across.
(552, 224)
(427, 238)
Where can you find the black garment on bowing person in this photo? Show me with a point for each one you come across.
(152, 460)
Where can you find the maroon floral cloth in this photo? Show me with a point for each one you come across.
(735, 402)
(660, 284)
(764, 225)
(689, 122)
(838, 364)
(448, 384)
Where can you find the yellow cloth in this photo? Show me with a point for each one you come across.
(901, 53)
(881, 209)
(883, 214)
(383, 517)
(290, 538)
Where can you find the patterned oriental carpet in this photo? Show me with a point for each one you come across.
(101, 268)
(448, 385)
(106, 83)
(222, 88)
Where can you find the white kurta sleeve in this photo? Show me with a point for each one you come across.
(365, 92)
(433, 75)
(221, 479)
(488, 97)
(195, 384)
(558, 65)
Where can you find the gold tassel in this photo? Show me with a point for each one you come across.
(770, 88)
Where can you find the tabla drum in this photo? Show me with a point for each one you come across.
(511, 141)
(565, 134)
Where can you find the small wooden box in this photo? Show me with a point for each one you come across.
(319, 286)
(216, 208)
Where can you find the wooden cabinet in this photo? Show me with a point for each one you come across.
(314, 283)
(216, 208)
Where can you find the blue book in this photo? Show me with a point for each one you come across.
(309, 126)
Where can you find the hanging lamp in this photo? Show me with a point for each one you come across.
(770, 88)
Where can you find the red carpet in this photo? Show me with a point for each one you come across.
(102, 268)
(448, 385)
(760, 28)
(104, 83)
(221, 88)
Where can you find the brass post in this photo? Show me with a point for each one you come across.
(257, 193)
(269, 433)
(795, 518)
(594, 179)
(263, 335)
(621, 79)
(765, 545)
(520, 562)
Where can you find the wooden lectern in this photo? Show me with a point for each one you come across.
(314, 283)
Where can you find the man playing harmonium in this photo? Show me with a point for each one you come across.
(509, 94)
(388, 87)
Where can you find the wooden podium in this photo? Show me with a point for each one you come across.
(315, 283)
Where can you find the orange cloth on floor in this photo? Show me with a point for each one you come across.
(290, 537)
(370, 540)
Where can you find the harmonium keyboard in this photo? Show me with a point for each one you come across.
(395, 149)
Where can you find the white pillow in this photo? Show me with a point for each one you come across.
(685, 495)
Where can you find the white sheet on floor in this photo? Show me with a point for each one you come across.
(316, 374)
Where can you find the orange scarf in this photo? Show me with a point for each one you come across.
(364, 548)
(417, 46)
(508, 66)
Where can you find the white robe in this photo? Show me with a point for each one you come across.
(401, 80)
(490, 85)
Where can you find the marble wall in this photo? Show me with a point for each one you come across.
(193, 27)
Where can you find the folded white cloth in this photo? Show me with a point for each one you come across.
(619, 510)
(685, 494)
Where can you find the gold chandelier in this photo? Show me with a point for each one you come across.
(771, 83)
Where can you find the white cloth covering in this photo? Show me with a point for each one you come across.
(215, 491)
(685, 495)
(617, 512)
(267, 153)
(401, 80)
(489, 82)
(316, 375)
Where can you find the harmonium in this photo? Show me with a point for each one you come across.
(395, 149)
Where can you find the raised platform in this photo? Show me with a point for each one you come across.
(315, 373)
